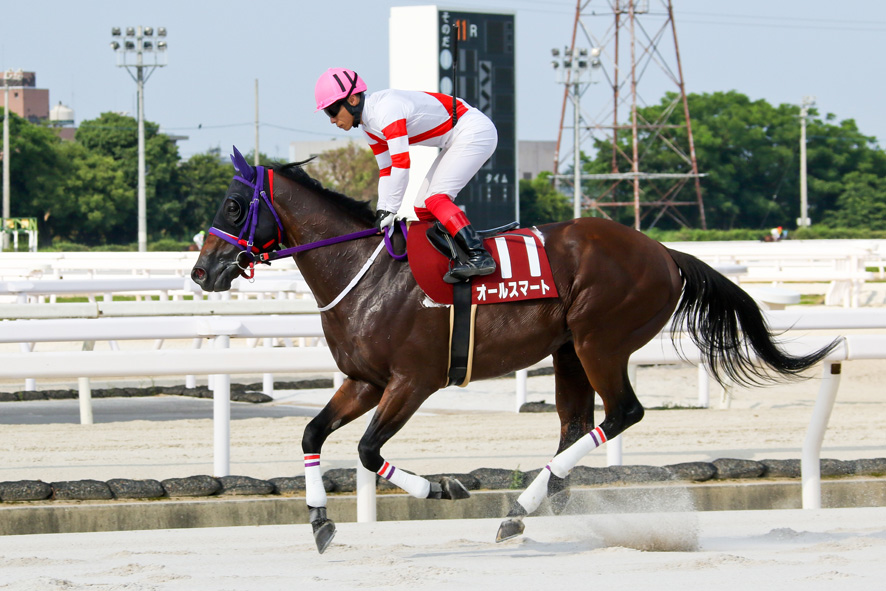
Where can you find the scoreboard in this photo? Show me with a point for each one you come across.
(485, 79)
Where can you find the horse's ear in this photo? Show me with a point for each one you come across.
(243, 167)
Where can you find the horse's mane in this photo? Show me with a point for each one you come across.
(294, 172)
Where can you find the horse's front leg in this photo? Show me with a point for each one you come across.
(399, 402)
(352, 400)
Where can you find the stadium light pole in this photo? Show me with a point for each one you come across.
(8, 76)
(138, 42)
(572, 67)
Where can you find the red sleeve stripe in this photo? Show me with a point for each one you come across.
(446, 101)
(400, 160)
(379, 148)
(385, 171)
(395, 129)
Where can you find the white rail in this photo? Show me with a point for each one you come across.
(221, 361)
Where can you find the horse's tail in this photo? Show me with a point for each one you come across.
(727, 326)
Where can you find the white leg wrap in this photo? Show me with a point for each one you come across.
(535, 493)
(560, 466)
(566, 460)
(417, 486)
(315, 494)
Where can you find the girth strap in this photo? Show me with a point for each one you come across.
(461, 334)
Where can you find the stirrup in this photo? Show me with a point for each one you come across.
(465, 271)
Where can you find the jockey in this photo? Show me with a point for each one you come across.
(394, 119)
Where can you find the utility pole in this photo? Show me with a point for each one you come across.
(803, 220)
(8, 77)
(256, 123)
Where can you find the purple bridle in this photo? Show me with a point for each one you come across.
(246, 259)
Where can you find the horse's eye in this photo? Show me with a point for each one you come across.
(233, 211)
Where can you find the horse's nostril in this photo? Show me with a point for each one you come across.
(198, 274)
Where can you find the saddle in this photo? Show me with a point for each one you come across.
(522, 273)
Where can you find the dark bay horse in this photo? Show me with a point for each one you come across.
(617, 290)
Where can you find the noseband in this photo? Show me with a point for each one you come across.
(250, 254)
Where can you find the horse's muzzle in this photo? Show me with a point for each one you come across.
(218, 278)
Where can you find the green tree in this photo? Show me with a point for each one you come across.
(749, 152)
(350, 170)
(540, 203)
(96, 201)
(116, 136)
(36, 170)
(861, 203)
(204, 181)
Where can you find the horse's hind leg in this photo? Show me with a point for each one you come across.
(349, 402)
(607, 374)
(575, 407)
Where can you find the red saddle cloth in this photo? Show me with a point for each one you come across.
(522, 269)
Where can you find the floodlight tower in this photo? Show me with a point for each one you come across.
(573, 69)
(632, 43)
(138, 42)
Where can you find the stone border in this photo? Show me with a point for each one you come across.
(344, 480)
(239, 392)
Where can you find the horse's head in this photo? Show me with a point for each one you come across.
(238, 231)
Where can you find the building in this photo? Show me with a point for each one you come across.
(61, 118)
(25, 99)
(534, 158)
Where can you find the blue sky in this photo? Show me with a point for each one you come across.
(777, 50)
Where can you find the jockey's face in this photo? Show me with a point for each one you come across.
(344, 120)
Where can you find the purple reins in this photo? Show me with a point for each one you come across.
(246, 259)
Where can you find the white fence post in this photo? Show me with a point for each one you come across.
(615, 446)
(810, 463)
(366, 501)
(30, 383)
(704, 386)
(84, 393)
(522, 377)
(191, 379)
(268, 378)
(221, 416)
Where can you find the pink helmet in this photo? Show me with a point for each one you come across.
(336, 84)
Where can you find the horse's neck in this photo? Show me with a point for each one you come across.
(326, 269)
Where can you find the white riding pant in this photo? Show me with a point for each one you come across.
(469, 146)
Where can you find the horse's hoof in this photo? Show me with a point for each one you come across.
(453, 489)
(324, 528)
(509, 528)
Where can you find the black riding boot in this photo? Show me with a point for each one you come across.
(480, 262)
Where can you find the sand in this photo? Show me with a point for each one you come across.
(729, 551)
